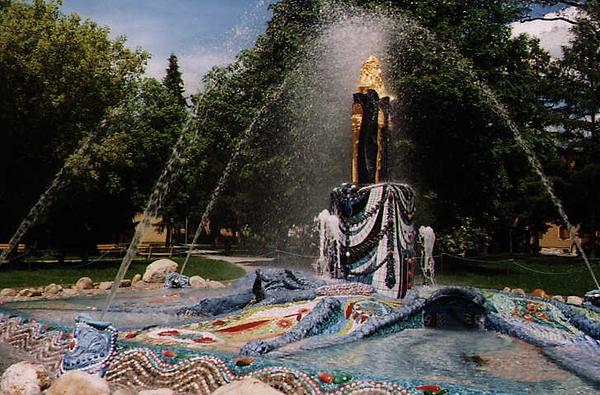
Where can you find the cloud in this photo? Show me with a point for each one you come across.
(202, 34)
(553, 35)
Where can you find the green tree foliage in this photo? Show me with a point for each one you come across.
(63, 79)
(59, 77)
(454, 148)
(578, 107)
(113, 178)
(458, 152)
(173, 81)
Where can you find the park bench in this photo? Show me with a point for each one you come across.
(109, 248)
(20, 247)
(149, 250)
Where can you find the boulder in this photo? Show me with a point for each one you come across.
(157, 271)
(8, 292)
(125, 283)
(574, 300)
(506, 289)
(518, 291)
(198, 282)
(215, 284)
(540, 293)
(30, 292)
(160, 391)
(24, 378)
(78, 382)
(105, 285)
(52, 289)
(68, 292)
(247, 387)
(558, 298)
(84, 283)
(136, 278)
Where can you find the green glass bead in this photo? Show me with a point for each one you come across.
(341, 379)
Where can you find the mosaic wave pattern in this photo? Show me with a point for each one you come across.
(188, 357)
(204, 374)
(47, 347)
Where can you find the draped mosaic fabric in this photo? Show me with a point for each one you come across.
(368, 236)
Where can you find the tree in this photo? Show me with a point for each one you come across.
(112, 179)
(60, 79)
(578, 107)
(455, 148)
(63, 79)
(173, 81)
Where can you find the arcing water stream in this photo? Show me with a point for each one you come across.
(60, 180)
(231, 166)
(501, 111)
(489, 98)
(154, 203)
(408, 26)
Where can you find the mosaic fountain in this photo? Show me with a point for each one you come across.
(300, 333)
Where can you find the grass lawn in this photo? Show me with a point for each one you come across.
(556, 275)
(47, 273)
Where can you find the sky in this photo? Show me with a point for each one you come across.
(553, 35)
(204, 33)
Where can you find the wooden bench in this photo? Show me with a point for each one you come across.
(20, 247)
(110, 248)
(149, 249)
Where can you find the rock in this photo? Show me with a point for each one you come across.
(30, 292)
(125, 284)
(506, 289)
(52, 289)
(247, 387)
(558, 298)
(124, 391)
(160, 391)
(198, 282)
(157, 271)
(84, 283)
(540, 293)
(8, 292)
(105, 285)
(574, 300)
(24, 378)
(136, 278)
(73, 382)
(215, 284)
(68, 292)
(518, 291)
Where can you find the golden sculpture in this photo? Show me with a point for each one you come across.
(372, 98)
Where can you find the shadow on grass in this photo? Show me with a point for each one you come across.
(555, 275)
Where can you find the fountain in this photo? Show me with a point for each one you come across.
(347, 331)
(370, 235)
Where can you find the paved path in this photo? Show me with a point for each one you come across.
(242, 261)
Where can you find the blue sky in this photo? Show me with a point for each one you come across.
(202, 33)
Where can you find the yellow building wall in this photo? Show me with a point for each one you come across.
(152, 234)
(557, 236)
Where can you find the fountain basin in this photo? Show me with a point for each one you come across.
(375, 341)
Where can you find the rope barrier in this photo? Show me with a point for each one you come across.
(512, 261)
